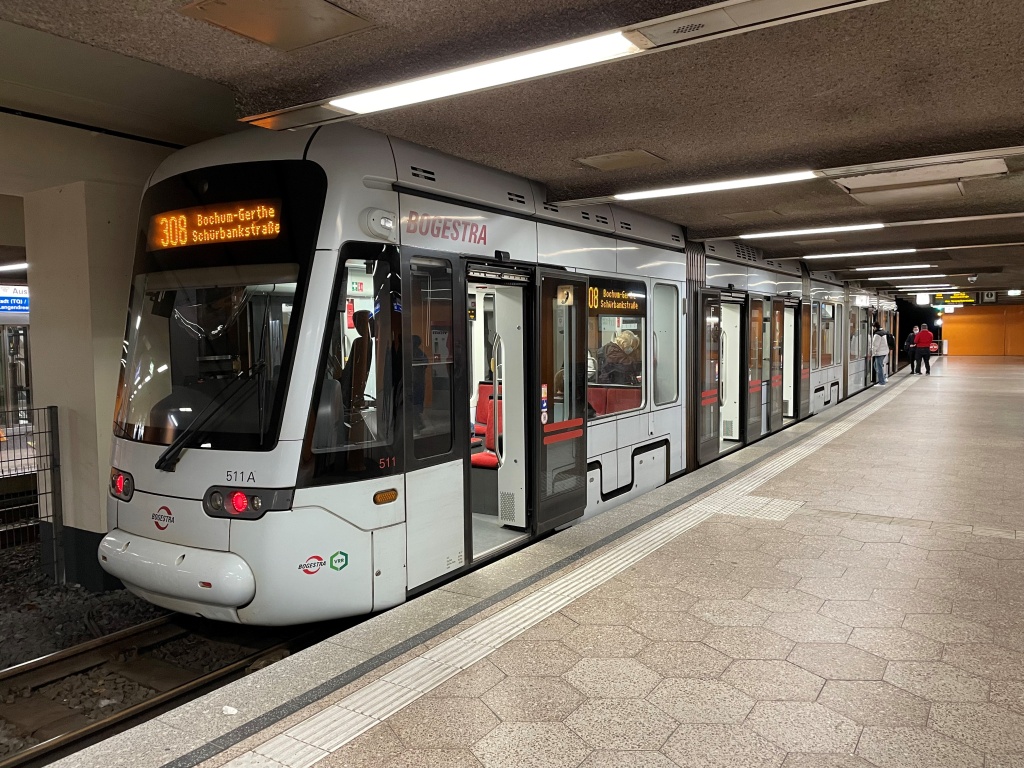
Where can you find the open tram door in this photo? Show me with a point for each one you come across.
(710, 376)
(499, 298)
(558, 402)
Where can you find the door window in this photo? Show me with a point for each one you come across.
(432, 358)
(828, 335)
(814, 336)
(617, 310)
(356, 403)
(666, 344)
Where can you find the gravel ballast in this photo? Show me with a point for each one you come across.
(39, 617)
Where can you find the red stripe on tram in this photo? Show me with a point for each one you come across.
(558, 425)
(563, 436)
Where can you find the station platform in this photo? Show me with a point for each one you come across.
(848, 592)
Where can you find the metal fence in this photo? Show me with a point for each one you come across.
(30, 490)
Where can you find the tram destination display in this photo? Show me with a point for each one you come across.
(234, 222)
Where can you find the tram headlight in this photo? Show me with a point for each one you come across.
(122, 486)
(246, 503)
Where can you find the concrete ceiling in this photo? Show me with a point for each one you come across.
(896, 80)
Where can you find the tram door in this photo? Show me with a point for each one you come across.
(560, 471)
(790, 362)
(758, 350)
(805, 359)
(710, 379)
(497, 312)
(777, 365)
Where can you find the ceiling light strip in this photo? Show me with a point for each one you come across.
(816, 231)
(719, 186)
(906, 277)
(490, 74)
(895, 267)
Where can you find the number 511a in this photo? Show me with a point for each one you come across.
(240, 476)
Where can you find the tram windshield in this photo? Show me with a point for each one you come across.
(206, 345)
(221, 266)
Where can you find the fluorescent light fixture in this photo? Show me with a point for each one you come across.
(905, 277)
(924, 299)
(913, 288)
(14, 267)
(852, 254)
(511, 69)
(718, 186)
(1013, 292)
(818, 231)
(895, 266)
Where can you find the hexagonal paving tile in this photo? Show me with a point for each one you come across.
(670, 625)
(596, 609)
(810, 567)
(936, 681)
(837, 661)
(707, 588)
(722, 746)
(764, 577)
(809, 760)
(749, 643)
(554, 627)
(429, 758)
(911, 600)
(1009, 694)
(612, 758)
(808, 628)
(896, 644)
(655, 598)
(472, 683)
(784, 600)
(773, 680)
(914, 748)
(517, 745)
(684, 659)
(529, 658)
(947, 628)
(985, 727)
(604, 641)
(873, 702)
(612, 678)
(861, 613)
(532, 699)
(621, 724)
(984, 660)
(440, 723)
(798, 726)
(701, 701)
(834, 588)
(730, 613)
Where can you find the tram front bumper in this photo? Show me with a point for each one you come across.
(186, 579)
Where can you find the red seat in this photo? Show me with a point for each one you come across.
(484, 407)
(623, 399)
(598, 399)
(488, 458)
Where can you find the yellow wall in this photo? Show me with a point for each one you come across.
(985, 330)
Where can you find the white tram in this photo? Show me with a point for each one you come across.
(354, 367)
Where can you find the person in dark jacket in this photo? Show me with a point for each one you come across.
(911, 349)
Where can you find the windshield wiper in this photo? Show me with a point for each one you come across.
(169, 458)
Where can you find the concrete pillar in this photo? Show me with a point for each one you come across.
(80, 241)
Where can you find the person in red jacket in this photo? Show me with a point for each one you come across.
(923, 343)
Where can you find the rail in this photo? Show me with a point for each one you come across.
(127, 654)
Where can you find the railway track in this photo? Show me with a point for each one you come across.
(83, 693)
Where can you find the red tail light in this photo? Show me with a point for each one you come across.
(239, 502)
(119, 484)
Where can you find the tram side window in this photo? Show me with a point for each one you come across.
(433, 362)
(837, 336)
(356, 406)
(828, 334)
(617, 310)
(666, 344)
